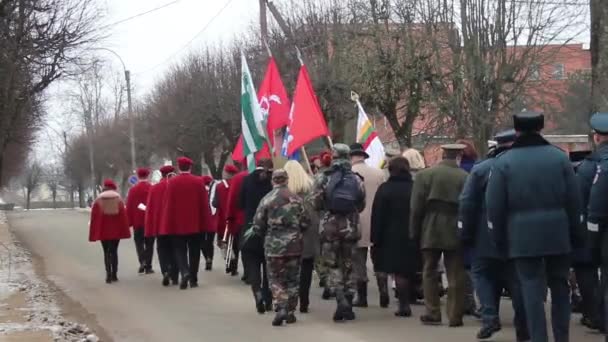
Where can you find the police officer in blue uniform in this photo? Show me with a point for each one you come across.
(533, 208)
(585, 260)
(598, 203)
(491, 270)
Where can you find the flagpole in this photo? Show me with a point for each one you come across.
(307, 161)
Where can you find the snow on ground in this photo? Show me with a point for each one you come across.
(42, 311)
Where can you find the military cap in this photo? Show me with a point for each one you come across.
(599, 123)
(279, 176)
(453, 147)
(357, 149)
(505, 136)
(341, 151)
(577, 156)
(528, 121)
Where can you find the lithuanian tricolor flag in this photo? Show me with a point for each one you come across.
(367, 136)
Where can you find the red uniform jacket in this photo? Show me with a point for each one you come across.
(138, 194)
(186, 206)
(235, 215)
(154, 206)
(109, 218)
(221, 194)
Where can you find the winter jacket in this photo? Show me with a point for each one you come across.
(186, 206)
(372, 179)
(154, 210)
(393, 251)
(533, 200)
(109, 219)
(434, 206)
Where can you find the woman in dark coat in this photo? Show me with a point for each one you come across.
(393, 252)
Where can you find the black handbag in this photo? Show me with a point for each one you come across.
(251, 243)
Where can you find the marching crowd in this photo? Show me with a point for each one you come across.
(525, 220)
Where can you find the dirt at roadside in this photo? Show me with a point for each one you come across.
(32, 308)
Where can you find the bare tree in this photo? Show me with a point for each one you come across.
(599, 55)
(40, 40)
(32, 176)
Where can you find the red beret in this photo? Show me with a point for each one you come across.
(167, 169)
(231, 169)
(184, 162)
(326, 158)
(207, 179)
(109, 184)
(143, 172)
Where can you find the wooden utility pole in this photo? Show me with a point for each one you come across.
(599, 56)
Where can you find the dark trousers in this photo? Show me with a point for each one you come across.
(187, 250)
(535, 274)
(207, 246)
(110, 255)
(588, 281)
(166, 257)
(490, 277)
(257, 273)
(306, 267)
(144, 247)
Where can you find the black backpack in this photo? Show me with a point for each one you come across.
(343, 193)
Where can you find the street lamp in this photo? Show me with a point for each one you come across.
(129, 104)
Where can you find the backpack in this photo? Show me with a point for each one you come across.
(343, 193)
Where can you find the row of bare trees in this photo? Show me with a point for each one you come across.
(428, 67)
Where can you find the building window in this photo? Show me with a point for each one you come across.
(558, 72)
(535, 72)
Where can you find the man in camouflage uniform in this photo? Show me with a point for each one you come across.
(281, 219)
(339, 235)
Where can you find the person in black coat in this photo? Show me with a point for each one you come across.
(393, 252)
(255, 186)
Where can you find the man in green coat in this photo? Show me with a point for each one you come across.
(434, 223)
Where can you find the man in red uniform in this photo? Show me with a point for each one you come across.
(153, 224)
(220, 202)
(235, 219)
(136, 211)
(185, 214)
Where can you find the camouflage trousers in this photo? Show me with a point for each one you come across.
(337, 257)
(284, 280)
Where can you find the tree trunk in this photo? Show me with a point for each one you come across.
(72, 203)
(599, 56)
(54, 199)
(1, 168)
(28, 198)
(81, 199)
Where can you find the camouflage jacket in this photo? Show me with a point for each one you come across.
(334, 226)
(281, 219)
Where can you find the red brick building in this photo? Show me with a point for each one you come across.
(548, 82)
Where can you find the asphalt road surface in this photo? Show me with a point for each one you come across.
(138, 308)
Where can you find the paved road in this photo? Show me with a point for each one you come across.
(138, 308)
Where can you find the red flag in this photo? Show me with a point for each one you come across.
(306, 118)
(273, 98)
(275, 106)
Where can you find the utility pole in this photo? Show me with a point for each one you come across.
(263, 23)
(599, 56)
(131, 129)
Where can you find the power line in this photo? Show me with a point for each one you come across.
(191, 40)
(141, 14)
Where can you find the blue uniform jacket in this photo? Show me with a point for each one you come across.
(598, 201)
(585, 174)
(533, 200)
(473, 223)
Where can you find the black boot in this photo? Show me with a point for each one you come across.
(361, 301)
(382, 282)
(259, 302)
(404, 303)
(108, 264)
(114, 277)
(141, 269)
(184, 283)
(208, 265)
(166, 279)
(268, 302)
(291, 318)
(327, 294)
(108, 278)
(344, 311)
(488, 330)
(280, 317)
